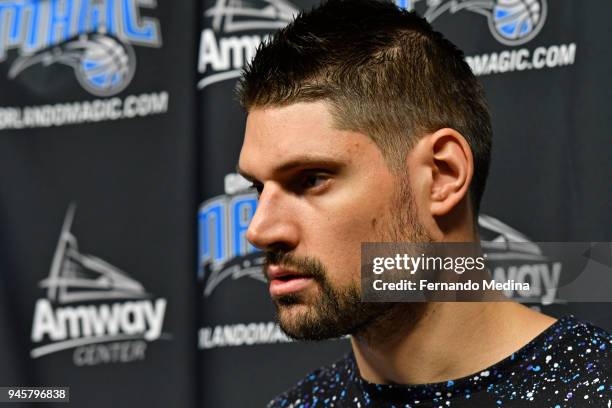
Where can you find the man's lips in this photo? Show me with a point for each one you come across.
(284, 281)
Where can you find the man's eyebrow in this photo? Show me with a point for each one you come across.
(296, 162)
(309, 161)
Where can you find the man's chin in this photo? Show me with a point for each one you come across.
(323, 313)
(291, 315)
(315, 322)
(299, 322)
(292, 312)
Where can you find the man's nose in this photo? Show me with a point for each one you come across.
(273, 225)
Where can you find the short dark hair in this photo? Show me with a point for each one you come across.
(385, 72)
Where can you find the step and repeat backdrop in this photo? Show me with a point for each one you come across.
(125, 273)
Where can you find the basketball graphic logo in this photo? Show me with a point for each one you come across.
(106, 66)
(103, 65)
(511, 22)
(517, 21)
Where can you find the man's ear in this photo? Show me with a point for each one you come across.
(452, 170)
(443, 165)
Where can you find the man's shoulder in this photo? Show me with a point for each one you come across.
(581, 342)
(572, 362)
(325, 382)
(571, 331)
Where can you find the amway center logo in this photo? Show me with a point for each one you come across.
(511, 22)
(79, 312)
(511, 256)
(92, 37)
(234, 30)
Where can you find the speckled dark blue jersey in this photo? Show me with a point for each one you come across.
(567, 365)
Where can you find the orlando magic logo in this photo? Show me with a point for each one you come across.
(93, 38)
(223, 221)
(511, 22)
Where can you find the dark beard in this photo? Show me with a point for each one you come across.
(340, 311)
(335, 313)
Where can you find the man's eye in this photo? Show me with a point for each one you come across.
(313, 180)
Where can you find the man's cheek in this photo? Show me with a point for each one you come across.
(342, 265)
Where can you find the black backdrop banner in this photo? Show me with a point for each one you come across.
(125, 273)
(97, 197)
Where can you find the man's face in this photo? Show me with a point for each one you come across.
(323, 192)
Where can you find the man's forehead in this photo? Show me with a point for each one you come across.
(296, 125)
(297, 132)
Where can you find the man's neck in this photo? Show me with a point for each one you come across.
(434, 342)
